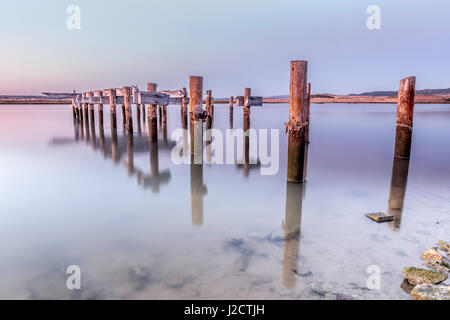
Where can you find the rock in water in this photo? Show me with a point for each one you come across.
(431, 292)
(444, 246)
(417, 276)
(432, 254)
(380, 217)
(441, 266)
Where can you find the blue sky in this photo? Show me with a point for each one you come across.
(233, 44)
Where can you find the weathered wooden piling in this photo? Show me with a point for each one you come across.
(208, 102)
(405, 113)
(128, 113)
(112, 105)
(195, 94)
(99, 107)
(152, 118)
(247, 94)
(231, 101)
(296, 124)
(74, 112)
(308, 110)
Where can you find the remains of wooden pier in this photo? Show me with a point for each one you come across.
(297, 126)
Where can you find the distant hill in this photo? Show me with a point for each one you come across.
(373, 93)
(394, 93)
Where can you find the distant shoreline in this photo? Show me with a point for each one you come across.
(316, 98)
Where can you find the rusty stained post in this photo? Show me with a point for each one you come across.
(405, 113)
(296, 126)
(292, 228)
(128, 113)
(152, 118)
(195, 94)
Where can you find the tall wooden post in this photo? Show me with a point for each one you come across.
(128, 112)
(405, 113)
(74, 112)
(100, 108)
(112, 106)
(296, 125)
(195, 94)
(231, 111)
(152, 118)
(308, 110)
(247, 94)
(208, 102)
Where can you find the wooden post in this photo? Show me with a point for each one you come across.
(160, 115)
(208, 102)
(195, 94)
(247, 94)
(405, 113)
(231, 111)
(296, 125)
(308, 110)
(128, 113)
(112, 105)
(164, 114)
(100, 108)
(74, 113)
(152, 119)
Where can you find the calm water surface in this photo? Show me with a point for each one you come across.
(142, 227)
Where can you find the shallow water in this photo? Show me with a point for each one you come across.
(140, 235)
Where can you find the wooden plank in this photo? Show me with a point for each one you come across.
(161, 99)
(60, 95)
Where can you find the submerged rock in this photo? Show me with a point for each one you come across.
(432, 254)
(380, 217)
(431, 292)
(417, 276)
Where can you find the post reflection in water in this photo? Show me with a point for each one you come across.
(295, 193)
(291, 228)
(398, 190)
(129, 145)
(198, 189)
(208, 138)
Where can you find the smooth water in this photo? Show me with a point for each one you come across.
(217, 231)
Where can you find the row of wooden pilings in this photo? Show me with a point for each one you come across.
(297, 126)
